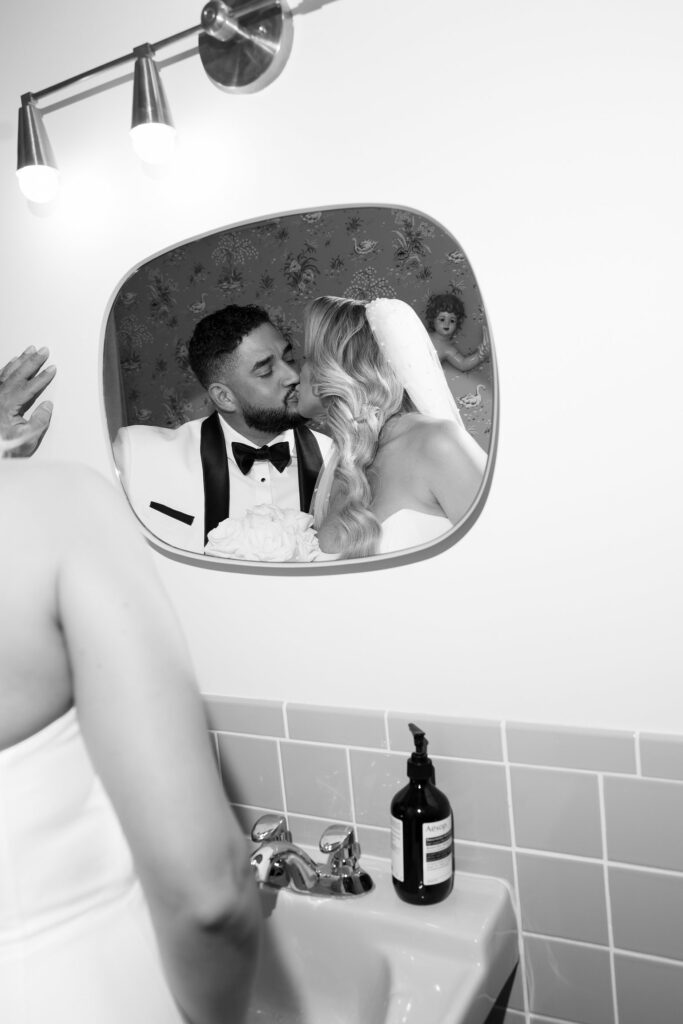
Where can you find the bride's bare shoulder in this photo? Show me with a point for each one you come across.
(53, 496)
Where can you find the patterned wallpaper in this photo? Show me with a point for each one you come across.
(281, 263)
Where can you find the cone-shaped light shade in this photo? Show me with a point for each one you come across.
(152, 132)
(36, 165)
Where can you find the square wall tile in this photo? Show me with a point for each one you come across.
(336, 725)
(475, 859)
(251, 771)
(556, 811)
(644, 820)
(648, 991)
(316, 780)
(376, 777)
(478, 796)
(374, 842)
(247, 818)
(307, 831)
(563, 898)
(555, 746)
(240, 714)
(647, 912)
(570, 981)
(448, 737)
(661, 756)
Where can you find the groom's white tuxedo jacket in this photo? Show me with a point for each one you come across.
(178, 480)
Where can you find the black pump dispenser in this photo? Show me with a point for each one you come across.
(422, 862)
(419, 765)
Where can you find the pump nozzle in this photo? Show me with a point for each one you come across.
(420, 739)
(419, 765)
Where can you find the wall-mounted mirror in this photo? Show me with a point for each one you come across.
(311, 392)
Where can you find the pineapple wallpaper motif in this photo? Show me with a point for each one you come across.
(281, 263)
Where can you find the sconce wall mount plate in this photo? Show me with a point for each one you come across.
(245, 47)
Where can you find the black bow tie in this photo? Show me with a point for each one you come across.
(246, 456)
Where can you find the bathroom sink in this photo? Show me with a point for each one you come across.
(372, 959)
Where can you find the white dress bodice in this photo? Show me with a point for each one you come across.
(76, 941)
(409, 529)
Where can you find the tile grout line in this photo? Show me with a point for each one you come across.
(639, 756)
(282, 779)
(515, 874)
(608, 897)
(352, 796)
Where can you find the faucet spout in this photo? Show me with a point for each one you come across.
(280, 863)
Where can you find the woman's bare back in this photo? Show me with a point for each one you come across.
(35, 685)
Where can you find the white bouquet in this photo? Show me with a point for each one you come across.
(266, 533)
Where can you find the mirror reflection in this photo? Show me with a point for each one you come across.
(314, 387)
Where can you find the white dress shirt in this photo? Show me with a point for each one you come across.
(263, 484)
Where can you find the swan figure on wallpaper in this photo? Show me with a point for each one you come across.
(198, 307)
(364, 248)
(474, 398)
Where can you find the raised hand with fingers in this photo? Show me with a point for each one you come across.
(22, 381)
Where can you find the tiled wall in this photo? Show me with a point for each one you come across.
(585, 825)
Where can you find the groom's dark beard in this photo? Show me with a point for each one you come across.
(271, 421)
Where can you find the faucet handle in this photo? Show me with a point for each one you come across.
(271, 828)
(339, 841)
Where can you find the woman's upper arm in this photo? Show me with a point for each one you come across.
(456, 466)
(138, 705)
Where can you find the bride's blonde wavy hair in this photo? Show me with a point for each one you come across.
(360, 393)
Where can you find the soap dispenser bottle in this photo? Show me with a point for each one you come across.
(422, 862)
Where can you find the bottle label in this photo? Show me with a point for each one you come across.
(397, 849)
(437, 851)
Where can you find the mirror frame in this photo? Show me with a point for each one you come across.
(365, 564)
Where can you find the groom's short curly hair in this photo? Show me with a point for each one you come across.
(217, 335)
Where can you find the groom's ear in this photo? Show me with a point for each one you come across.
(222, 397)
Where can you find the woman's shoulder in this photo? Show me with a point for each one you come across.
(53, 496)
(416, 428)
(59, 480)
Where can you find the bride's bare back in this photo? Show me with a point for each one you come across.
(423, 464)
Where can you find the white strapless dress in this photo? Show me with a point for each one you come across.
(76, 941)
(408, 529)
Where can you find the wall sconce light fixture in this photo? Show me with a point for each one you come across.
(242, 46)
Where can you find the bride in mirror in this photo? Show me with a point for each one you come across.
(404, 469)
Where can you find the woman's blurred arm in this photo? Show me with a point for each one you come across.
(144, 726)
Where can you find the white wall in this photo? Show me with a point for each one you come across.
(547, 138)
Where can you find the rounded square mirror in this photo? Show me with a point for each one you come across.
(312, 392)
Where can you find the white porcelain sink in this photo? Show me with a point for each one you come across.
(373, 959)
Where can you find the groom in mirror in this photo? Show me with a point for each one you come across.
(254, 449)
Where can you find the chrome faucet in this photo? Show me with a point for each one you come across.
(278, 862)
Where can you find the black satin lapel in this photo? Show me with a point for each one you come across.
(309, 463)
(215, 470)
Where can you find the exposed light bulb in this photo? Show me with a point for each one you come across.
(154, 143)
(39, 182)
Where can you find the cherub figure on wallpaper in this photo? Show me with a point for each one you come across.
(444, 317)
